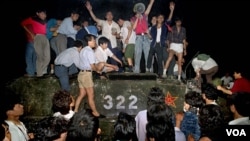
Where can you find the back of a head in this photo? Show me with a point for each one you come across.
(88, 37)
(211, 118)
(155, 96)
(241, 102)
(160, 125)
(50, 128)
(159, 112)
(78, 43)
(83, 126)
(210, 91)
(61, 102)
(194, 99)
(124, 128)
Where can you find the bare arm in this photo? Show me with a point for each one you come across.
(149, 7)
(116, 59)
(29, 32)
(171, 7)
(224, 90)
(89, 7)
(94, 68)
(129, 34)
(185, 43)
(134, 23)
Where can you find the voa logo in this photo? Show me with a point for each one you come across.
(236, 132)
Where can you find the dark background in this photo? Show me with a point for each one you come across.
(218, 28)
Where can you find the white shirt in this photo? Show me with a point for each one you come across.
(141, 122)
(67, 116)
(158, 36)
(68, 57)
(124, 33)
(106, 31)
(18, 132)
(240, 121)
(226, 79)
(102, 55)
(67, 28)
(205, 65)
(87, 57)
(179, 135)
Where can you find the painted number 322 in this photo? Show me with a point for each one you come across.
(120, 102)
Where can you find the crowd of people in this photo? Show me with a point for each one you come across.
(202, 118)
(72, 46)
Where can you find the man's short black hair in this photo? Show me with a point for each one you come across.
(83, 126)
(241, 102)
(8, 101)
(103, 40)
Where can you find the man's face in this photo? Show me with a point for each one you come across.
(104, 46)
(85, 23)
(160, 19)
(236, 75)
(153, 20)
(178, 23)
(92, 43)
(120, 22)
(74, 17)
(185, 106)
(17, 110)
(41, 15)
(109, 16)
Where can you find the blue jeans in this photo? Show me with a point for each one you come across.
(142, 43)
(30, 59)
(63, 72)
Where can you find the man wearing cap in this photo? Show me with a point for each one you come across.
(140, 26)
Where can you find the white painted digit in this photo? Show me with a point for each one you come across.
(133, 102)
(109, 102)
(121, 100)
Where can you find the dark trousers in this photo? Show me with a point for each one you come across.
(158, 51)
(70, 42)
(118, 53)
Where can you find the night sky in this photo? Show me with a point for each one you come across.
(217, 28)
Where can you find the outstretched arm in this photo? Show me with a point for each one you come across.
(171, 7)
(89, 7)
(224, 90)
(149, 7)
(117, 60)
